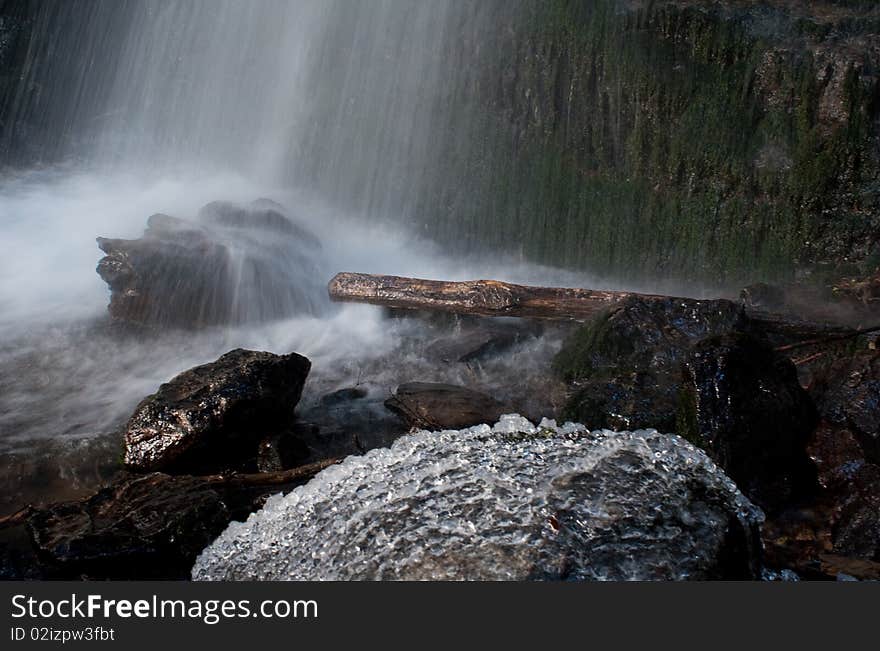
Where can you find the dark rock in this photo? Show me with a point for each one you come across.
(237, 265)
(150, 526)
(857, 529)
(212, 414)
(443, 406)
(742, 403)
(646, 333)
(491, 345)
(331, 439)
(261, 214)
(343, 395)
(639, 399)
(282, 451)
(348, 421)
(839, 532)
(851, 492)
(18, 556)
(624, 367)
(687, 366)
(847, 393)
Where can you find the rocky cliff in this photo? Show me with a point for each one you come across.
(720, 142)
(699, 140)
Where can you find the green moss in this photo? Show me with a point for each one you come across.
(635, 145)
(686, 416)
(574, 361)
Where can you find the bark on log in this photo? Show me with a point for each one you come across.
(256, 479)
(495, 298)
(478, 297)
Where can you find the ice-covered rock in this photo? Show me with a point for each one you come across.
(513, 501)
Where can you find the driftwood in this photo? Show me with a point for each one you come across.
(496, 298)
(477, 297)
(231, 481)
(256, 479)
(18, 517)
(830, 339)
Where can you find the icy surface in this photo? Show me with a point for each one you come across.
(513, 501)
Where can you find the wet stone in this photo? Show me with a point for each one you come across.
(216, 413)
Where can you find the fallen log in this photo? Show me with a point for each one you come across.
(496, 298)
(477, 297)
(830, 339)
(260, 479)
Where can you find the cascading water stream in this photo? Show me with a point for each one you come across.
(126, 109)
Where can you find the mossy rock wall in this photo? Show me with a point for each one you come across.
(666, 140)
(649, 141)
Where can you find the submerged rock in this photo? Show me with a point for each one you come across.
(506, 502)
(428, 405)
(742, 403)
(479, 340)
(150, 526)
(342, 396)
(236, 264)
(209, 414)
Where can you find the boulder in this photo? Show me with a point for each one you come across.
(234, 265)
(623, 368)
(742, 403)
(628, 399)
(141, 527)
(850, 492)
(427, 405)
(281, 452)
(342, 396)
(839, 531)
(262, 214)
(509, 502)
(847, 393)
(215, 414)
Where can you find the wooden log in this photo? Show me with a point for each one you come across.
(259, 479)
(495, 298)
(477, 297)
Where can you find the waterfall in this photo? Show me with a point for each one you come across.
(329, 95)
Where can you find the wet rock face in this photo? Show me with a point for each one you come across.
(434, 406)
(845, 451)
(235, 264)
(624, 367)
(848, 395)
(206, 416)
(150, 526)
(506, 502)
(646, 333)
(742, 403)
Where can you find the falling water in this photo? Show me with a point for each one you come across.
(285, 91)
(127, 108)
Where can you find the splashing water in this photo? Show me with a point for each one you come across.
(328, 107)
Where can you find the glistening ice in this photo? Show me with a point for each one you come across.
(507, 502)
